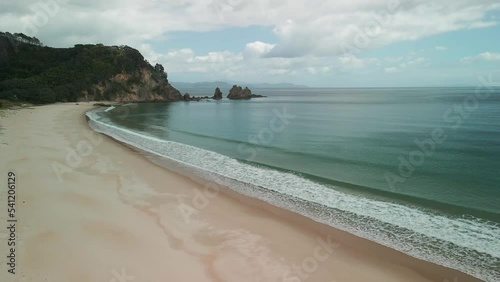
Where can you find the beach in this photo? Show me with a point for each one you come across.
(91, 209)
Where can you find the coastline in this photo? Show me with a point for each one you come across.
(116, 212)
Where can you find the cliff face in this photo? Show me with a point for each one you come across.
(38, 74)
(127, 88)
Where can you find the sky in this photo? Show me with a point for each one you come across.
(322, 43)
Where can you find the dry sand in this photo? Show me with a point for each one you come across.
(90, 209)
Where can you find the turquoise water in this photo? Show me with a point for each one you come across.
(416, 169)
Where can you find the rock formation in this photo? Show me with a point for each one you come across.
(141, 85)
(187, 97)
(237, 93)
(217, 94)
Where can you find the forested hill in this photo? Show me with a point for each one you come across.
(38, 74)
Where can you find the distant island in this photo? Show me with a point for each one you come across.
(225, 86)
(238, 93)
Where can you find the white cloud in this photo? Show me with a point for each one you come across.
(311, 70)
(218, 58)
(417, 61)
(400, 64)
(391, 70)
(319, 70)
(351, 62)
(278, 71)
(185, 60)
(393, 60)
(325, 28)
(486, 56)
(322, 38)
(258, 48)
(337, 27)
(235, 65)
(326, 69)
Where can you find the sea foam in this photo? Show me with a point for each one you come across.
(470, 245)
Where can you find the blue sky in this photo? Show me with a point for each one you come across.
(441, 58)
(322, 43)
(443, 66)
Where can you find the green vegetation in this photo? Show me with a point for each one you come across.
(38, 74)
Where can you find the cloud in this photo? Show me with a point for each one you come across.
(486, 56)
(186, 60)
(238, 65)
(324, 38)
(326, 28)
(258, 48)
(279, 71)
(218, 58)
(393, 60)
(417, 61)
(319, 70)
(391, 70)
(351, 62)
(339, 27)
(405, 63)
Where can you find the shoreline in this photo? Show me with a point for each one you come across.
(131, 213)
(426, 269)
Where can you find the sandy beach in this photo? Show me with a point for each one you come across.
(91, 209)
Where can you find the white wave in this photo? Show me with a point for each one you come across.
(109, 109)
(371, 219)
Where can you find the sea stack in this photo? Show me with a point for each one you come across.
(217, 94)
(237, 93)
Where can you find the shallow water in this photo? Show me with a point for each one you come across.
(415, 169)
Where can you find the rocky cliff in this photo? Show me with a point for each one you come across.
(38, 74)
(139, 86)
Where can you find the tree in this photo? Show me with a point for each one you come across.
(161, 72)
(159, 68)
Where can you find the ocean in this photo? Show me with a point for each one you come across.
(414, 169)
